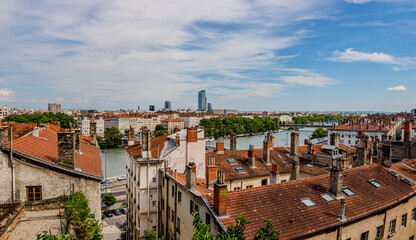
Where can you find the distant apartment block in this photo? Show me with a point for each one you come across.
(171, 125)
(54, 107)
(84, 124)
(224, 111)
(4, 111)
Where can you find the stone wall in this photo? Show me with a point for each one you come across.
(47, 204)
(11, 222)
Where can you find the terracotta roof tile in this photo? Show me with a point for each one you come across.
(407, 168)
(136, 149)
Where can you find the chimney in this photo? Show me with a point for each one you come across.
(273, 174)
(266, 151)
(77, 140)
(93, 133)
(336, 139)
(294, 146)
(387, 154)
(342, 214)
(177, 138)
(220, 145)
(131, 137)
(4, 135)
(407, 131)
(35, 132)
(251, 157)
(233, 141)
(337, 176)
(220, 195)
(192, 135)
(66, 149)
(271, 139)
(191, 175)
(211, 172)
(146, 143)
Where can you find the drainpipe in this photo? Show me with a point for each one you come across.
(148, 194)
(12, 164)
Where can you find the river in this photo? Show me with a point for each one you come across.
(116, 157)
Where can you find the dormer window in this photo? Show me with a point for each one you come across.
(335, 152)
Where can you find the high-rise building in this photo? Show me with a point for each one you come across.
(209, 108)
(168, 105)
(54, 107)
(202, 100)
(151, 107)
(138, 107)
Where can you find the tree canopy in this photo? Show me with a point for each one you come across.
(63, 118)
(112, 138)
(319, 133)
(318, 118)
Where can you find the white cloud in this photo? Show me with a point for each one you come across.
(305, 77)
(358, 1)
(7, 95)
(350, 55)
(397, 88)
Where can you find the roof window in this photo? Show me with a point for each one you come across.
(307, 202)
(287, 155)
(310, 165)
(394, 174)
(348, 191)
(239, 169)
(231, 161)
(279, 155)
(284, 162)
(374, 183)
(327, 197)
(407, 181)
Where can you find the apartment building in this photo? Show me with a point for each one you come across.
(4, 111)
(54, 107)
(171, 125)
(84, 124)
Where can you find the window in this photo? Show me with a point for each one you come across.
(279, 156)
(196, 208)
(364, 236)
(207, 219)
(34, 193)
(327, 197)
(173, 191)
(379, 231)
(414, 214)
(404, 220)
(307, 202)
(349, 136)
(163, 203)
(284, 181)
(179, 197)
(237, 188)
(172, 216)
(239, 169)
(342, 135)
(249, 186)
(392, 227)
(153, 203)
(374, 183)
(311, 165)
(178, 225)
(191, 207)
(154, 179)
(264, 182)
(349, 141)
(348, 191)
(231, 161)
(168, 212)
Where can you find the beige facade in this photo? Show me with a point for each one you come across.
(4, 111)
(171, 124)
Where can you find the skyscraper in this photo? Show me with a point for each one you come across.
(168, 105)
(202, 100)
(54, 107)
(151, 107)
(209, 109)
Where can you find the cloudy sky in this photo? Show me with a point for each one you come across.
(248, 54)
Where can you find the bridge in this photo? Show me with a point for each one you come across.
(297, 126)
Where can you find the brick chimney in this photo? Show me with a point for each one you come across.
(66, 149)
(407, 131)
(337, 176)
(131, 137)
(192, 134)
(334, 139)
(387, 154)
(233, 141)
(220, 145)
(93, 133)
(77, 140)
(177, 139)
(211, 172)
(146, 143)
(251, 160)
(273, 174)
(190, 173)
(266, 151)
(220, 195)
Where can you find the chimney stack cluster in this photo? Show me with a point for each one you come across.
(334, 139)
(131, 137)
(66, 149)
(267, 146)
(407, 131)
(220, 195)
(146, 143)
(211, 171)
(273, 174)
(93, 133)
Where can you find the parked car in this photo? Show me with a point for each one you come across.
(108, 183)
(123, 210)
(113, 179)
(116, 212)
(122, 178)
(108, 214)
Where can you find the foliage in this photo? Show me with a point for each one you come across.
(151, 234)
(108, 199)
(159, 133)
(112, 138)
(159, 127)
(201, 229)
(86, 229)
(237, 231)
(63, 118)
(319, 133)
(123, 235)
(45, 236)
(78, 203)
(240, 125)
(319, 118)
(267, 232)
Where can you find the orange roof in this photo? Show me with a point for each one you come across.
(407, 168)
(46, 147)
(365, 127)
(291, 218)
(21, 129)
(200, 184)
(172, 120)
(136, 149)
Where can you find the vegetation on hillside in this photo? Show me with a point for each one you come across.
(221, 127)
(319, 118)
(63, 118)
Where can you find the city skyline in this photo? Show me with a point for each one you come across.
(352, 55)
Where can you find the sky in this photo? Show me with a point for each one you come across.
(250, 55)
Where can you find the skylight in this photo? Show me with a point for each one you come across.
(231, 161)
(348, 191)
(284, 162)
(310, 165)
(239, 169)
(327, 197)
(307, 202)
(407, 181)
(287, 155)
(394, 174)
(374, 183)
(279, 156)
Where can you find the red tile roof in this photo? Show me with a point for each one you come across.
(200, 184)
(357, 127)
(46, 147)
(407, 168)
(21, 129)
(172, 120)
(291, 218)
(136, 149)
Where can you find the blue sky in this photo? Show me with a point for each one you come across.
(275, 55)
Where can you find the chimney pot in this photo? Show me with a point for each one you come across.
(191, 175)
(337, 176)
(251, 156)
(220, 145)
(66, 149)
(35, 132)
(233, 141)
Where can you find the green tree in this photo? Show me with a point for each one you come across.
(108, 199)
(159, 127)
(113, 137)
(64, 119)
(266, 232)
(236, 231)
(201, 229)
(159, 133)
(319, 133)
(45, 236)
(150, 234)
(78, 203)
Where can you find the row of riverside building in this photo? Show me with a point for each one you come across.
(329, 190)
